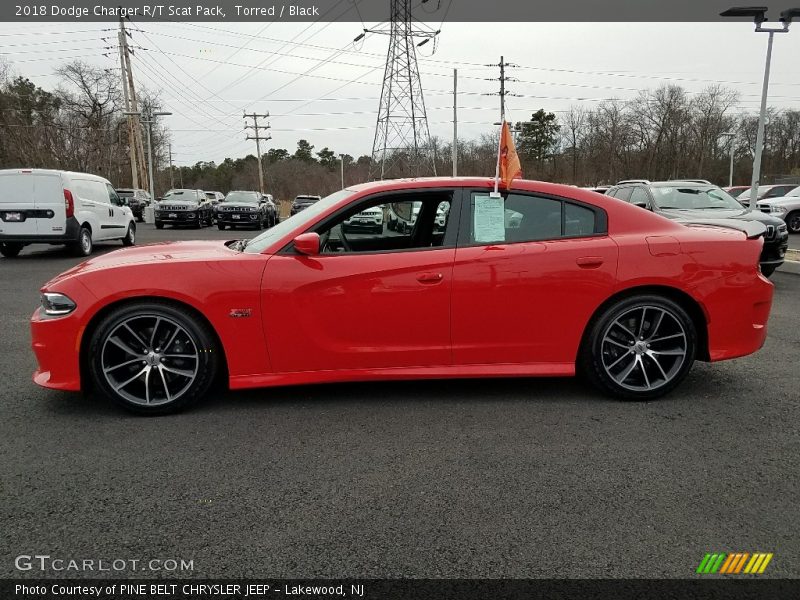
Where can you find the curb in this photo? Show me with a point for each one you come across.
(791, 263)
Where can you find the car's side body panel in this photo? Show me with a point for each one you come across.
(516, 310)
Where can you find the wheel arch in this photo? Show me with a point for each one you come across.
(688, 303)
(95, 320)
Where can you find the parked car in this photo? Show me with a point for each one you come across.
(136, 199)
(43, 206)
(583, 283)
(736, 190)
(600, 189)
(786, 207)
(183, 207)
(696, 201)
(767, 192)
(272, 210)
(242, 209)
(214, 197)
(302, 202)
(370, 219)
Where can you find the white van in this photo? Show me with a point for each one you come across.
(42, 206)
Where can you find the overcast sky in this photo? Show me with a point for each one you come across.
(318, 85)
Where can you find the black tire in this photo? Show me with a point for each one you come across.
(768, 270)
(84, 245)
(593, 355)
(196, 337)
(10, 249)
(159, 225)
(221, 226)
(130, 236)
(793, 221)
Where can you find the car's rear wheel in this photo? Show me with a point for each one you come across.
(84, 245)
(220, 226)
(130, 237)
(10, 249)
(152, 358)
(793, 221)
(639, 348)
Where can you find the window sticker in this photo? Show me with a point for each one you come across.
(489, 219)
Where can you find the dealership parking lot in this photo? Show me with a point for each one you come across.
(490, 478)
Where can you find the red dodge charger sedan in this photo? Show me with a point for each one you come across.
(542, 279)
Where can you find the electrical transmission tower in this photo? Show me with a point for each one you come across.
(256, 127)
(402, 145)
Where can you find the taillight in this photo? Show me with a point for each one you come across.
(69, 203)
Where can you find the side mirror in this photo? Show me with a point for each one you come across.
(307, 243)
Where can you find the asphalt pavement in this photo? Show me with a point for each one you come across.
(489, 478)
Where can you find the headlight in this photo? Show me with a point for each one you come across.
(781, 210)
(57, 305)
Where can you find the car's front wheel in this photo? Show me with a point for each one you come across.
(152, 358)
(793, 221)
(159, 225)
(768, 270)
(639, 348)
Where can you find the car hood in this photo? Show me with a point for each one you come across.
(169, 202)
(782, 201)
(717, 214)
(197, 251)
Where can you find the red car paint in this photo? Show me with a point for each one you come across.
(506, 309)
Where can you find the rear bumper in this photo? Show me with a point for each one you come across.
(71, 232)
(739, 310)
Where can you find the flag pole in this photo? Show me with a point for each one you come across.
(497, 166)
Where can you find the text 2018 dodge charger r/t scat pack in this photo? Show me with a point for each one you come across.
(577, 281)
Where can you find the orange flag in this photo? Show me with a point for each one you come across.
(510, 167)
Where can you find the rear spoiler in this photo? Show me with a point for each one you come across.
(752, 229)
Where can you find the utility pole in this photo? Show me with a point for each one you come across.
(256, 127)
(503, 92)
(402, 144)
(171, 174)
(341, 162)
(455, 123)
(133, 108)
(132, 126)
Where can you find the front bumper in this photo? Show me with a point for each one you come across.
(187, 217)
(774, 251)
(56, 344)
(238, 218)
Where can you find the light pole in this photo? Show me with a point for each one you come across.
(732, 136)
(758, 14)
(149, 122)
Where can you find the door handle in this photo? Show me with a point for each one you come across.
(589, 262)
(430, 277)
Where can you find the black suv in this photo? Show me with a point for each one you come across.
(690, 201)
(137, 200)
(242, 209)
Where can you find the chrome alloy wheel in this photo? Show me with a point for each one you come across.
(149, 360)
(644, 348)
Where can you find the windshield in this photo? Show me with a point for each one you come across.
(249, 197)
(693, 198)
(306, 200)
(125, 193)
(297, 221)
